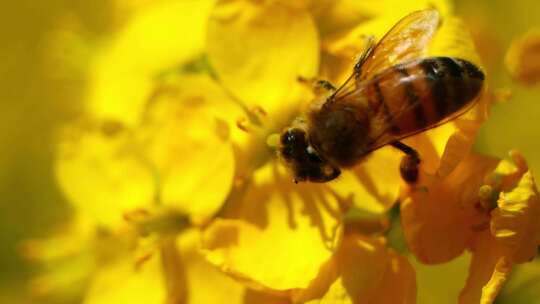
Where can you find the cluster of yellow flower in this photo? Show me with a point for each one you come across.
(179, 199)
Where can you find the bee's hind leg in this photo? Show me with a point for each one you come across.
(409, 164)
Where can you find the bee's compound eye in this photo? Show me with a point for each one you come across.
(292, 144)
(291, 137)
(287, 138)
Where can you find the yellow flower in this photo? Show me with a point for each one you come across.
(449, 179)
(174, 149)
(258, 50)
(140, 140)
(276, 236)
(481, 207)
(454, 208)
(514, 232)
(363, 270)
(150, 161)
(120, 266)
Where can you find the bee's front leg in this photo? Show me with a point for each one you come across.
(409, 164)
(319, 86)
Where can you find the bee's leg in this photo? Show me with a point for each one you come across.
(409, 164)
(325, 84)
(370, 45)
(318, 86)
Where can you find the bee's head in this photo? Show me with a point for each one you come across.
(301, 157)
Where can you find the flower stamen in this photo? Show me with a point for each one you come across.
(258, 111)
(487, 198)
(243, 124)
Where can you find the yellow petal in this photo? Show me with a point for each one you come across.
(182, 147)
(364, 271)
(276, 235)
(509, 173)
(258, 49)
(373, 18)
(442, 148)
(176, 273)
(70, 257)
(333, 17)
(121, 282)
(378, 18)
(161, 36)
(439, 216)
(453, 39)
(523, 57)
(373, 185)
(515, 222)
(188, 143)
(66, 262)
(430, 145)
(434, 226)
(458, 145)
(399, 277)
(500, 275)
(203, 276)
(101, 174)
(487, 272)
(401, 8)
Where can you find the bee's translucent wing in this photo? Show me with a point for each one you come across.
(384, 133)
(385, 137)
(407, 40)
(350, 86)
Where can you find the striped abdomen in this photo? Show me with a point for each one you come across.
(419, 94)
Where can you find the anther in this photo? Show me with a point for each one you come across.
(136, 215)
(111, 127)
(303, 80)
(243, 124)
(258, 110)
(486, 198)
(140, 261)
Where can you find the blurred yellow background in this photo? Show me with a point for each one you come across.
(43, 84)
(38, 93)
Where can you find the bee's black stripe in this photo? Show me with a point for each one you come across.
(412, 98)
(472, 77)
(455, 84)
(471, 70)
(451, 66)
(387, 113)
(436, 85)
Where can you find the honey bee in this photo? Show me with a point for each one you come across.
(394, 92)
